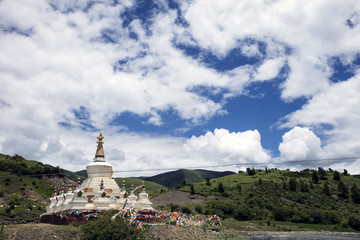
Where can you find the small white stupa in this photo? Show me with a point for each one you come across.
(99, 190)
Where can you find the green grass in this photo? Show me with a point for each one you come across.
(246, 197)
(153, 189)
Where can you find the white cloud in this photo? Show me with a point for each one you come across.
(335, 113)
(269, 69)
(300, 144)
(314, 30)
(222, 146)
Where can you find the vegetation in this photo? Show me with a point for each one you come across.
(176, 178)
(18, 165)
(306, 197)
(153, 189)
(105, 228)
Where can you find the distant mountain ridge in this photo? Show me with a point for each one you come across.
(175, 178)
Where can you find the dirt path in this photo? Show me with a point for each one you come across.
(41, 231)
(302, 236)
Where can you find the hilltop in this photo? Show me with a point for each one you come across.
(179, 177)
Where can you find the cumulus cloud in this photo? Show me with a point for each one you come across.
(335, 114)
(222, 146)
(300, 144)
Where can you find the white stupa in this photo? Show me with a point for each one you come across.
(99, 190)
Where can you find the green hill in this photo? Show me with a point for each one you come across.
(307, 197)
(25, 187)
(152, 188)
(179, 177)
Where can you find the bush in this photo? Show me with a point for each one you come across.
(354, 222)
(283, 213)
(173, 207)
(242, 213)
(105, 228)
(199, 209)
(186, 210)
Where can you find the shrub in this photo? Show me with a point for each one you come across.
(242, 212)
(173, 207)
(105, 228)
(186, 210)
(282, 213)
(199, 209)
(315, 177)
(355, 193)
(343, 190)
(354, 222)
(220, 188)
(292, 184)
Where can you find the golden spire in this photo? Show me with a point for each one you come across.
(100, 149)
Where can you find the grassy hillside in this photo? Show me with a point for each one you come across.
(25, 187)
(152, 188)
(286, 196)
(177, 178)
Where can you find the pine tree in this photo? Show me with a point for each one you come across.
(192, 190)
(336, 176)
(326, 189)
(355, 193)
(292, 184)
(220, 188)
(343, 190)
(315, 177)
(322, 173)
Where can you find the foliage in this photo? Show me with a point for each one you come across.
(336, 176)
(250, 172)
(292, 184)
(355, 193)
(105, 228)
(192, 190)
(315, 177)
(18, 165)
(174, 178)
(277, 198)
(326, 189)
(343, 190)
(221, 188)
(354, 222)
(322, 173)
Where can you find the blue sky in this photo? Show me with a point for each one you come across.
(180, 84)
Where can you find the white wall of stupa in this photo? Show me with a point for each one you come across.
(99, 191)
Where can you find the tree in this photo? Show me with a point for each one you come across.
(192, 190)
(326, 189)
(250, 172)
(345, 172)
(336, 176)
(343, 190)
(355, 193)
(238, 187)
(315, 177)
(220, 188)
(208, 182)
(303, 186)
(322, 173)
(292, 184)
